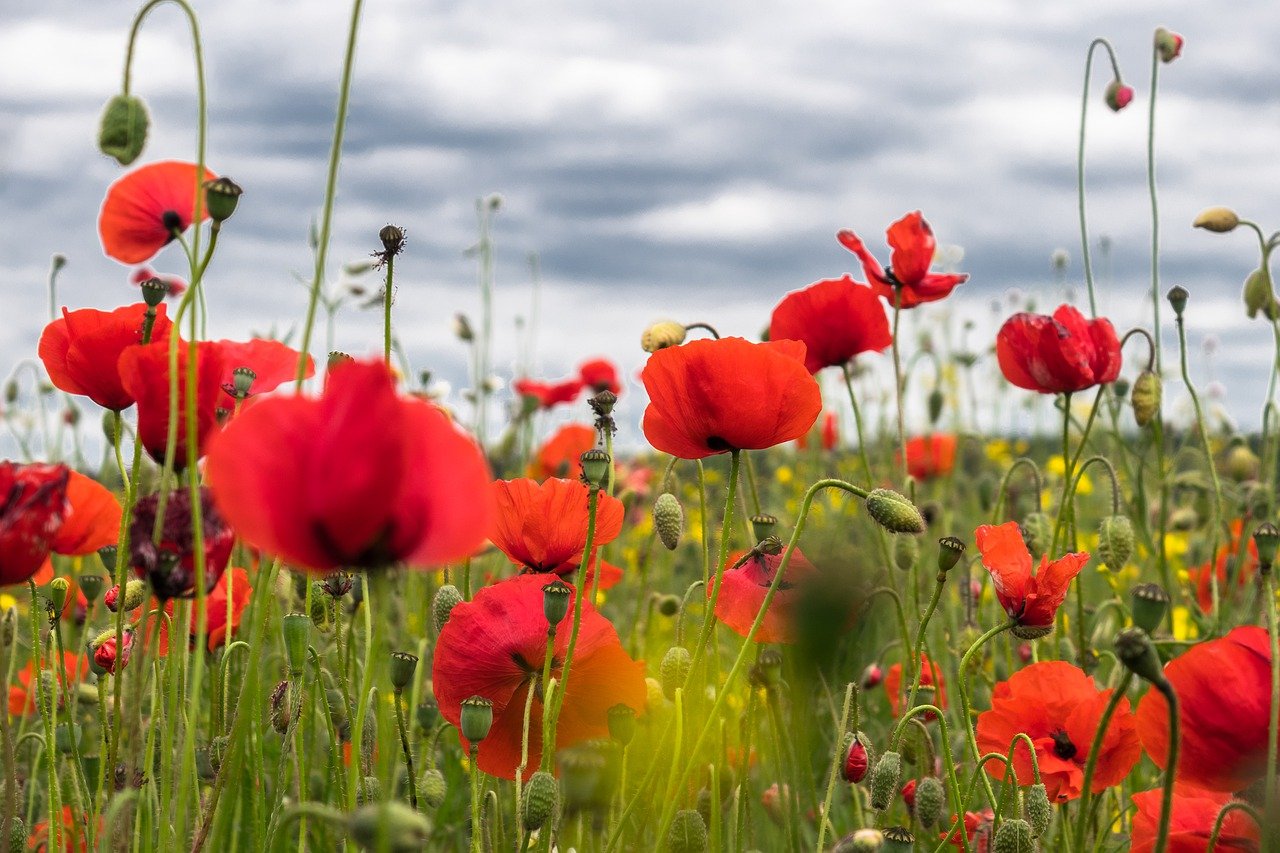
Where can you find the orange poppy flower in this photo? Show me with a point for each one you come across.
(144, 371)
(1058, 706)
(913, 245)
(22, 698)
(272, 363)
(930, 456)
(836, 319)
(930, 676)
(558, 456)
(1194, 812)
(1224, 706)
(542, 527)
(1030, 600)
(713, 396)
(144, 209)
(94, 520)
(744, 589)
(80, 350)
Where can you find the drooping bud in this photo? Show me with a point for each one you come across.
(1037, 531)
(1267, 540)
(476, 718)
(1149, 603)
(1168, 44)
(894, 512)
(433, 788)
(221, 195)
(950, 550)
(674, 670)
(595, 467)
(1258, 295)
(403, 666)
(906, 550)
(622, 723)
(884, 780)
(668, 605)
(1118, 95)
(447, 597)
(871, 676)
(688, 833)
(135, 593)
(106, 655)
(297, 636)
(936, 399)
(1115, 542)
(555, 601)
(122, 133)
(1138, 653)
(462, 328)
(1013, 836)
(668, 519)
(930, 801)
(1039, 811)
(278, 707)
(1177, 297)
(856, 760)
(541, 794)
(389, 826)
(662, 334)
(1219, 220)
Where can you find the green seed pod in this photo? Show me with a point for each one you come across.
(688, 834)
(1266, 538)
(403, 666)
(595, 467)
(1115, 541)
(447, 597)
(1145, 397)
(59, 588)
(433, 788)
(906, 551)
(763, 525)
(930, 801)
(556, 597)
(1037, 532)
(894, 512)
(950, 550)
(390, 827)
(221, 195)
(1149, 603)
(668, 519)
(1039, 811)
(48, 692)
(297, 636)
(1013, 836)
(622, 723)
(899, 839)
(884, 780)
(91, 586)
(541, 796)
(674, 670)
(476, 718)
(122, 133)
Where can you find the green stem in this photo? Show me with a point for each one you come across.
(1084, 112)
(1171, 766)
(1272, 799)
(899, 382)
(477, 833)
(386, 310)
(48, 706)
(1155, 206)
(966, 714)
(726, 526)
(1086, 788)
(836, 761)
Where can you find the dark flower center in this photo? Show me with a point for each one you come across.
(171, 221)
(715, 442)
(1062, 745)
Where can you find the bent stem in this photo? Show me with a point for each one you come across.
(1084, 112)
(966, 713)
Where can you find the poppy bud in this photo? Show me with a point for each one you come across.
(91, 585)
(906, 550)
(1168, 44)
(668, 519)
(935, 406)
(894, 512)
(1138, 653)
(403, 666)
(1177, 297)
(866, 840)
(622, 723)
(541, 794)
(688, 833)
(390, 826)
(221, 195)
(674, 670)
(1219, 220)
(135, 592)
(930, 800)
(297, 636)
(872, 676)
(1242, 463)
(154, 291)
(555, 601)
(898, 839)
(856, 760)
(447, 597)
(1039, 812)
(369, 791)
(1258, 295)
(1149, 603)
(1267, 539)
(884, 780)
(762, 525)
(58, 589)
(1115, 541)
(11, 391)
(477, 718)
(1013, 836)
(48, 691)
(1118, 95)
(337, 706)
(122, 133)
(433, 788)
(278, 707)
(1037, 531)
(668, 605)
(1147, 391)
(106, 656)
(462, 328)
(392, 238)
(662, 334)
(950, 550)
(595, 468)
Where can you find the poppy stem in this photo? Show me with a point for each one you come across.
(837, 759)
(726, 529)
(958, 800)
(899, 381)
(386, 311)
(477, 833)
(919, 644)
(1080, 197)
(966, 715)
(1232, 806)
(1155, 205)
(1171, 764)
(1004, 485)
(48, 705)
(1095, 749)
(10, 808)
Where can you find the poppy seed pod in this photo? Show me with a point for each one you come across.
(1039, 811)
(762, 525)
(242, 382)
(1037, 531)
(668, 519)
(447, 597)
(403, 666)
(1267, 540)
(433, 788)
(930, 801)
(1147, 393)
(221, 196)
(541, 795)
(674, 670)
(1219, 220)
(58, 590)
(1115, 541)
(595, 468)
(688, 833)
(1013, 836)
(668, 605)
(898, 839)
(555, 601)
(662, 334)
(392, 238)
(122, 133)
(622, 723)
(1138, 653)
(1177, 297)
(389, 826)
(884, 780)
(91, 586)
(950, 550)
(894, 512)
(476, 719)
(297, 636)
(1149, 603)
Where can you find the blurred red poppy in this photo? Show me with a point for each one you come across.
(22, 698)
(977, 830)
(930, 676)
(80, 351)
(1058, 706)
(1058, 354)
(1202, 575)
(1030, 600)
(546, 395)
(828, 432)
(542, 527)
(144, 371)
(93, 521)
(836, 318)
(170, 564)
(144, 209)
(930, 456)
(1194, 812)
(558, 456)
(1224, 705)
(907, 278)
(743, 592)
(272, 363)
(216, 610)
(599, 374)
(174, 286)
(107, 655)
(33, 512)
(73, 834)
(358, 478)
(494, 646)
(712, 396)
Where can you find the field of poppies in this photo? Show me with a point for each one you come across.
(311, 606)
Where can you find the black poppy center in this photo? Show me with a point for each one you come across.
(1062, 745)
(717, 443)
(172, 221)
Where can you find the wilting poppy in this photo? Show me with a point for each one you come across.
(144, 371)
(1058, 354)
(1247, 567)
(173, 285)
(599, 374)
(80, 350)
(712, 396)
(144, 209)
(494, 646)
(358, 478)
(94, 518)
(836, 318)
(1031, 601)
(34, 508)
(542, 527)
(1224, 705)
(1194, 812)
(930, 677)
(558, 456)
(170, 565)
(743, 590)
(907, 279)
(22, 696)
(1059, 707)
(546, 395)
(272, 363)
(931, 456)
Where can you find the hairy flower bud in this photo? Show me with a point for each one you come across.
(906, 550)
(865, 840)
(1013, 836)
(688, 833)
(894, 512)
(856, 760)
(1168, 44)
(59, 588)
(884, 780)
(668, 519)
(135, 592)
(1039, 811)
(122, 133)
(541, 795)
(1115, 541)
(674, 670)
(930, 801)
(297, 636)
(433, 788)
(447, 597)
(389, 827)
(1242, 463)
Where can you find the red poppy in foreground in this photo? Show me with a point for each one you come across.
(1058, 354)
(272, 363)
(712, 396)
(837, 319)
(494, 645)
(144, 371)
(35, 506)
(930, 677)
(1194, 812)
(1031, 601)
(542, 527)
(599, 374)
(22, 696)
(80, 350)
(743, 591)
(358, 478)
(907, 278)
(146, 208)
(930, 456)
(1058, 706)
(559, 455)
(1224, 705)
(546, 395)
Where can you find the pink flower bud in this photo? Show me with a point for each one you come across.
(1118, 95)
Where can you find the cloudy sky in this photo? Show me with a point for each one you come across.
(664, 159)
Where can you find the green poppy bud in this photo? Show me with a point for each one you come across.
(906, 550)
(1013, 836)
(447, 597)
(433, 788)
(884, 780)
(1145, 399)
(541, 796)
(865, 840)
(936, 400)
(1115, 542)
(122, 133)
(930, 801)
(59, 588)
(1039, 811)
(894, 512)
(389, 827)
(1037, 532)
(674, 670)
(688, 833)
(1138, 653)
(668, 605)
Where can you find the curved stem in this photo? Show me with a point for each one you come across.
(1086, 788)
(1171, 766)
(965, 712)
(849, 692)
(1084, 112)
(1004, 485)
(1155, 205)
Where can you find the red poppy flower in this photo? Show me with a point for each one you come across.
(836, 318)
(73, 834)
(930, 456)
(977, 830)
(494, 645)
(546, 395)
(22, 696)
(144, 371)
(599, 375)
(170, 565)
(174, 286)
(107, 655)
(1191, 824)
(80, 351)
(712, 396)
(1058, 706)
(829, 433)
(1030, 600)
(558, 456)
(33, 512)
(744, 589)
(1202, 575)
(1058, 354)
(1224, 705)
(145, 208)
(907, 278)
(216, 610)
(272, 363)
(94, 518)
(542, 527)
(930, 676)
(359, 477)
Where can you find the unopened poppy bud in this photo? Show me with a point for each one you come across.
(663, 334)
(555, 601)
(1147, 393)
(154, 291)
(122, 133)
(1267, 539)
(1039, 811)
(936, 399)
(91, 586)
(1115, 541)
(1219, 220)
(48, 692)
(541, 794)
(221, 195)
(884, 780)
(1037, 531)
(337, 706)
(297, 636)
(278, 707)
(872, 676)
(1138, 653)
(894, 512)
(763, 525)
(930, 800)
(906, 550)
(403, 666)
(242, 382)
(389, 826)
(622, 723)
(447, 597)
(1120, 387)
(1118, 95)
(950, 550)
(433, 788)
(1149, 603)
(668, 519)
(476, 718)
(856, 760)
(369, 791)
(462, 328)
(1242, 463)
(59, 588)
(1013, 836)
(106, 657)
(595, 467)
(1168, 44)
(898, 839)
(865, 840)
(18, 832)
(1258, 295)
(392, 238)
(135, 592)
(1177, 297)
(674, 670)
(688, 832)
(668, 605)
